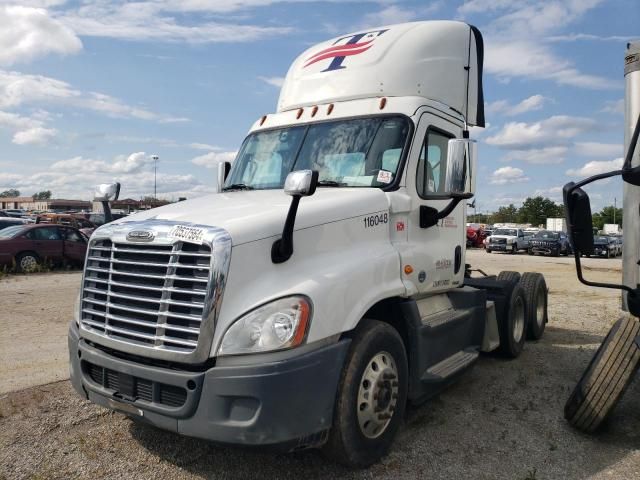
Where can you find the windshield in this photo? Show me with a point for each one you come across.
(11, 231)
(601, 240)
(362, 152)
(506, 231)
(547, 235)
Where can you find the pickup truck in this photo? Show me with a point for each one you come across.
(509, 240)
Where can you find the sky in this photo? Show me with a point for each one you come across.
(90, 90)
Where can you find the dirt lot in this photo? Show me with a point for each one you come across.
(502, 420)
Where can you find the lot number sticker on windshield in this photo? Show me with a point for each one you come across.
(384, 176)
(187, 234)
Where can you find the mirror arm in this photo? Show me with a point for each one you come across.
(429, 216)
(106, 208)
(282, 249)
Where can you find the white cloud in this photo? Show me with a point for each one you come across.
(133, 163)
(506, 175)
(212, 159)
(482, 6)
(614, 106)
(273, 81)
(18, 89)
(28, 33)
(573, 37)
(539, 156)
(553, 193)
(597, 149)
(595, 168)
(34, 136)
(27, 130)
(203, 146)
(534, 102)
(553, 131)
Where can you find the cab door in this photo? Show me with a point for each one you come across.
(75, 245)
(435, 254)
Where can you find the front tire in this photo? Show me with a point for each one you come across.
(27, 262)
(607, 376)
(371, 397)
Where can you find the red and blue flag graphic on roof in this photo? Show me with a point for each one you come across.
(355, 44)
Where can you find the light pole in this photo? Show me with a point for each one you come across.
(155, 174)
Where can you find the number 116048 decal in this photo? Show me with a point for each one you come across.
(374, 220)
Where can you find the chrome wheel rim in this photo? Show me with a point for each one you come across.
(540, 304)
(377, 395)
(518, 320)
(28, 263)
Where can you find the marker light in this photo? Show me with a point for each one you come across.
(299, 114)
(314, 110)
(278, 325)
(330, 109)
(383, 102)
(408, 269)
(263, 119)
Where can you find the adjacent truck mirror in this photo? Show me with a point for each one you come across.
(301, 183)
(223, 173)
(105, 193)
(460, 178)
(579, 220)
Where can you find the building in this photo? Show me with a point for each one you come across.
(54, 204)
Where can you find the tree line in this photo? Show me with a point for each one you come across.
(12, 192)
(536, 210)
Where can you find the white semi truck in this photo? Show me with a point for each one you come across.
(255, 316)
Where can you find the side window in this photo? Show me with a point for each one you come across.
(432, 164)
(48, 233)
(72, 236)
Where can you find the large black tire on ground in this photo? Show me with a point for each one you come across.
(509, 276)
(604, 381)
(536, 295)
(348, 441)
(512, 326)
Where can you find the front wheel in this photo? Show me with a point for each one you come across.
(27, 262)
(371, 397)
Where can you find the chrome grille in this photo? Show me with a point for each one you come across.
(153, 295)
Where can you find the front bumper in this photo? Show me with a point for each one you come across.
(544, 249)
(287, 403)
(501, 247)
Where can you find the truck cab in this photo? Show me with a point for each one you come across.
(324, 286)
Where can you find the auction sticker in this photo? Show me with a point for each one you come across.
(187, 234)
(384, 176)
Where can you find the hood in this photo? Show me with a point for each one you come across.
(495, 237)
(253, 215)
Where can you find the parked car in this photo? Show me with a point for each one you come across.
(605, 247)
(546, 242)
(10, 222)
(475, 235)
(28, 246)
(77, 221)
(15, 212)
(507, 240)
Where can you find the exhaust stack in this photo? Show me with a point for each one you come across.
(631, 212)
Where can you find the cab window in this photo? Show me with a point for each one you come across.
(432, 164)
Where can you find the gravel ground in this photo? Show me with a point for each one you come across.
(502, 420)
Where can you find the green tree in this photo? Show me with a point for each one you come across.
(12, 192)
(44, 195)
(504, 215)
(536, 210)
(608, 214)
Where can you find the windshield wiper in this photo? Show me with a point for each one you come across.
(330, 183)
(237, 186)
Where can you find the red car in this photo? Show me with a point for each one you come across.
(27, 246)
(475, 236)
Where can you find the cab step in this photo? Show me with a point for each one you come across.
(445, 318)
(449, 367)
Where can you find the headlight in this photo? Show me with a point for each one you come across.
(278, 325)
(511, 240)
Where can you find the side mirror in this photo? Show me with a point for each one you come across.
(107, 192)
(460, 178)
(223, 173)
(301, 183)
(579, 221)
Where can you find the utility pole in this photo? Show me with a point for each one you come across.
(155, 175)
(615, 207)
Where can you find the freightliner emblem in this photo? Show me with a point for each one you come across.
(140, 236)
